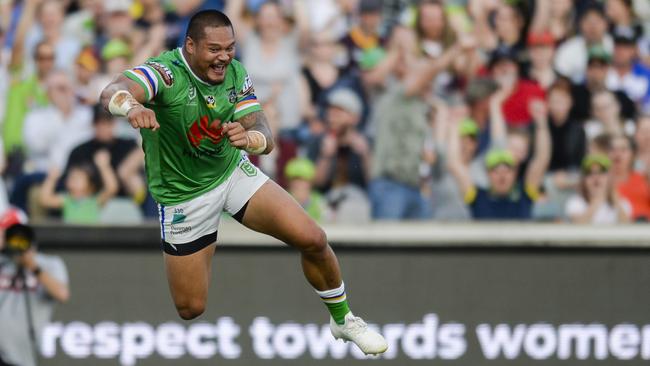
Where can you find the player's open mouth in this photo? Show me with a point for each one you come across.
(219, 68)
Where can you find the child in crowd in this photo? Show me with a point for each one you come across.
(83, 197)
(300, 173)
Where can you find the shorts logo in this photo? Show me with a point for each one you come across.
(178, 218)
(210, 101)
(248, 168)
(164, 72)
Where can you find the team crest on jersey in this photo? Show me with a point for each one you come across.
(164, 72)
(210, 101)
(232, 96)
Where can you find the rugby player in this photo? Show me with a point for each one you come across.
(197, 112)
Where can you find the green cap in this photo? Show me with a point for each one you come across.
(468, 127)
(496, 157)
(300, 168)
(115, 48)
(371, 57)
(596, 159)
(599, 53)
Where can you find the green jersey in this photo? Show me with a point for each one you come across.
(188, 156)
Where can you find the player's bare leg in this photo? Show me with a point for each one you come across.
(189, 277)
(273, 211)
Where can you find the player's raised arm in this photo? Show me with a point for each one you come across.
(250, 133)
(124, 97)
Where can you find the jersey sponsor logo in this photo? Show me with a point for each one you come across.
(232, 96)
(210, 101)
(201, 130)
(248, 86)
(164, 72)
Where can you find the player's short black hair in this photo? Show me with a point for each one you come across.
(203, 19)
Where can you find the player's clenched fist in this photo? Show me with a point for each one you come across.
(236, 134)
(141, 117)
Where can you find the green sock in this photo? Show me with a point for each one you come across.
(336, 302)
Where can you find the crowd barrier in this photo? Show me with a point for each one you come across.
(451, 294)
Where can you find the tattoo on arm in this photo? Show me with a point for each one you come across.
(257, 121)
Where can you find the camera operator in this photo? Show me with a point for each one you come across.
(30, 284)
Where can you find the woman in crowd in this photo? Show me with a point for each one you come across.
(597, 201)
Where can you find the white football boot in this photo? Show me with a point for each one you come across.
(356, 330)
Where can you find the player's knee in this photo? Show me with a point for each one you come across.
(191, 309)
(315, 240)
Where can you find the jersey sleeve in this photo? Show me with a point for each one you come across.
(246, 102)
(153, 76)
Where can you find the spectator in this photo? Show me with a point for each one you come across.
(26, 91)
(270, 52)
(621, 17)
(50, 133)
(627, 74)
(126, 156)
(556, 17)
(117, 56)
(84, 196)
(89, 82)
(395, 190)
(504, 69)
(541, 48)
(597, 69)
(320, 75)
(597, 201)
(34, 283)
(365, 34)
(629, 184)
(84, 24)
(569, 144)
(342, 153)
(567, 135)
(50, 29)
(448, 204)
(506, 198)
(606, 116)
(300, 173)
(509, 22)
(571, 56)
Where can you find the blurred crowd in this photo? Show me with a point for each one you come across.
(445, 110)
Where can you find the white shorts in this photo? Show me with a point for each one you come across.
(190, 226)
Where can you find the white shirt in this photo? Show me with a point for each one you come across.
(605, 214)
(633, 85)
(572, 55)
(50, 137)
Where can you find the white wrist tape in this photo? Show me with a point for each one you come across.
(256, 142)
(121, 103)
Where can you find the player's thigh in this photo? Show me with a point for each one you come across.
(189, 276)
(269, 209)
(274, 212)
(189, 233)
